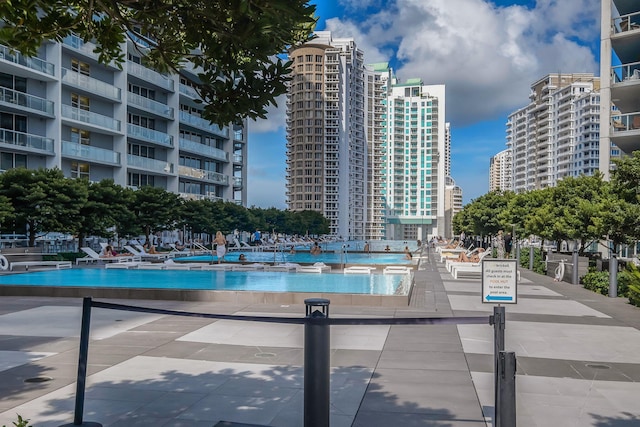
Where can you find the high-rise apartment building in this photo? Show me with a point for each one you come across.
(415, 164)
(554, 136)
(326, 139)
(620, 71)
(133, 125)
(500, 171)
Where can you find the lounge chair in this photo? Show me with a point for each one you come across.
(170, 264)
(318, 267)
(249, 267)
(93, 256)
(359, 269)
(287, 266)
(160, 255)
(144, 255)
(397, 269)
(26, 264)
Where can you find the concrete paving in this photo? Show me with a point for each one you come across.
(578, 356)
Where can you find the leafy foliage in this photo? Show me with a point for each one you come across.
(233, 44)
(21, 422)
(597, 281)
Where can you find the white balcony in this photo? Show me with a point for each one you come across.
(89, 153)
(26, 141)
(150, 76)
(25, 102)
(149, 105)
(149, 135)
(33, 63)
(204, 175)
(91, 85)
(151, 165)
(203, 150)
(98, 121)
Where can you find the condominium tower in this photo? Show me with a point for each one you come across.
(500, 171)
(63, 109)
(556, 134)
(415, 143)
(620, 71)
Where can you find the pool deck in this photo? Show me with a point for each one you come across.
(578, 356)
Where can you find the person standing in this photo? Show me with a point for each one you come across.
(500, 244)
(221, 246)
(508, 243)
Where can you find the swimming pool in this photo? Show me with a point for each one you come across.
(374, 284)
(305, 258)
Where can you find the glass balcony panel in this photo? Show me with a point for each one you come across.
(101, 155)
(204, 175)
(96, 119)
(90, 84)
(33, 63)
(189, 91)
(149, 135)
(150, 105)
(150, 75)
(203, 124)
(22, 99)
(75, 42)
(204, 150)
(26, 140)
(149, 164)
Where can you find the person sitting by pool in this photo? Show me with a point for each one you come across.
(387, 249)
(316, 250)
(151, 249)
(366, 247)
(407, 253)
(179, 246)
(454, 244)
(109, 252)
(292, 251)
(242, 257)
(474, 257)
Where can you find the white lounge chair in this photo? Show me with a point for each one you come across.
(359, 269)
(287, 266)
(249, 267)
(318, 267)
(397, 269)
(145, 255)
(161, 255)
(93, 256)
(26, 264)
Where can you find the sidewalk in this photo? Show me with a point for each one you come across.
(578, 357)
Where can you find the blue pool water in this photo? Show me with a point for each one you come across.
(375, 284)
(305, 258)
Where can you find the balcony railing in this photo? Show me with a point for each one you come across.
(90, 84)
(237, 181)
(22, 99)
(626, 23)
(89, 117)
(189, 91)
(203, 150)
(78, 44)
(81, 151)
(149, 135)
(150, 75)
(149, 164)
(193, 196)
(27, 140)
(625, 122)
(33, 63)
(150, 105)
(203, 124)
(204, 175)
(625, 72)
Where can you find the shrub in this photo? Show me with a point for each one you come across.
(634, 295)
(597, 281)
(538, 263)
(21, 422)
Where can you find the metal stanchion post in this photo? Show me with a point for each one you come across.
(317, 374)
(531, 255)
(506, 414)
(574, 269)
(498, 322)
(613, 276)
(82, 367)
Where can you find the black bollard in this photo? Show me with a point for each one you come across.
(506, 414)
(82, 367)
(574, 271)
(317, 375)
(531, 255)
(498, 322)
(613, 276)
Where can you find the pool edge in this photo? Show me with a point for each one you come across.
(235, 297)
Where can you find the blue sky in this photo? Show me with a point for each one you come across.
(486, 53)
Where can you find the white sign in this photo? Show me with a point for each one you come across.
(499, 281)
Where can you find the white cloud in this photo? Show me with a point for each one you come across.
(275, 121)
(488, 56)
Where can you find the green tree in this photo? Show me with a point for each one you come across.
(44, 200)
(155, 209)
(107, 208)
(233, 44)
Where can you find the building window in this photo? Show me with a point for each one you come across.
(142, 121)
(142, 91)
(80, 67)
(80, 136)
(80, 101)
(13, 82)
(79, 170)
(139, 180)
(12, 161)
(142, 151)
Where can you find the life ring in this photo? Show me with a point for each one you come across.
(559, 272)
(4, 263)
